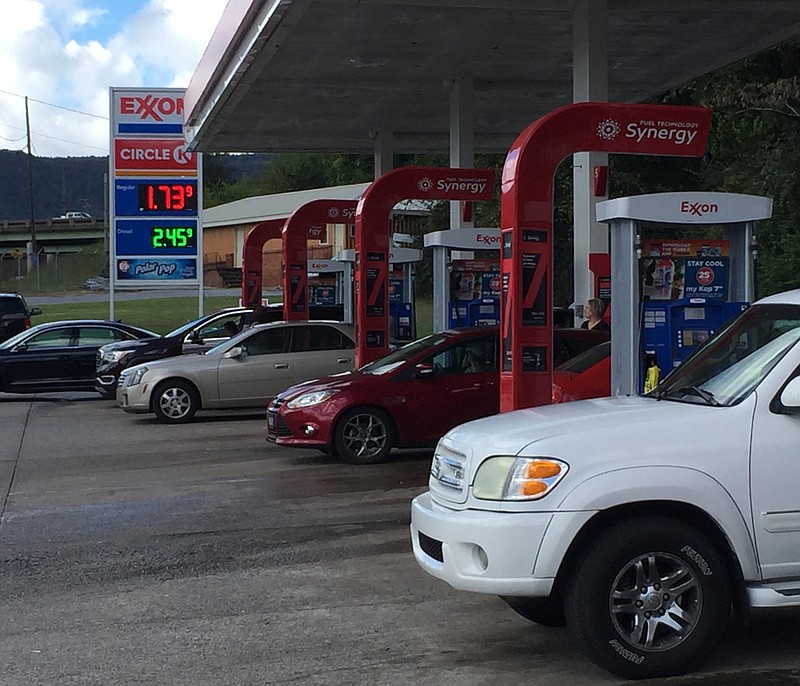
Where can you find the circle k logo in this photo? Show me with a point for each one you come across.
(608, 129)
(181, 155)
(425, 184)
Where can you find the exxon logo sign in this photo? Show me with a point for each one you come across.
(151, 107)
(698, 209)
(488, 239)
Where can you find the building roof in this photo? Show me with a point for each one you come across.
(281, 205)
(276, 206)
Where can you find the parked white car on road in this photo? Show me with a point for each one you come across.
(246, 371)
(640, 520)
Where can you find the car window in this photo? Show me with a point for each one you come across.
(222, 327)
(99, 335)
(468, 357)
(566, 347)
(580, 363)
(310, 338)
(561, 351)
(266, 342)
(730, 364)
(189, 326)
(12, 306)
(52, 338)
(393, 360)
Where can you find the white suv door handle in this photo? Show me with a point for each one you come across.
(343, 360)
(281, 365)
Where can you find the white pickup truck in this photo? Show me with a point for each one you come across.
(645, 521)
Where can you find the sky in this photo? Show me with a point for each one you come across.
(63, 55)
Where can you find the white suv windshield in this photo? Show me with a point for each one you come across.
(733, 362)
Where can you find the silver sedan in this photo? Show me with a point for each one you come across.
(246, 371)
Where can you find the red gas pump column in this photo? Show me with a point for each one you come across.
(372, 240)
(526, 218)
(306, 222)
(252, 267)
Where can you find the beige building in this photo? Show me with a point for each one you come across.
(225, 228)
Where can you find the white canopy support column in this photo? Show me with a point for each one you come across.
(462, 139)
(589, 84)
(383, 155)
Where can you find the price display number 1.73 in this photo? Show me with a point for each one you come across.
(167, 197)
(173, 237)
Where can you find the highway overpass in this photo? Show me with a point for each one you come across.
(52, 235)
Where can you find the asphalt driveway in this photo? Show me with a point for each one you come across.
(137, 553)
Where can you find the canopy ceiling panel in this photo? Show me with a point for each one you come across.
(326, 75)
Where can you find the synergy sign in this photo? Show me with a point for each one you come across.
(156, 236)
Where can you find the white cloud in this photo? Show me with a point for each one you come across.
(69, 52)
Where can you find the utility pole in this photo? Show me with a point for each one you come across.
(33, 250)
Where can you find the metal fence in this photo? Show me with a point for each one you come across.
(51, 270)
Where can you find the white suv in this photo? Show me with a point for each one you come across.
(641, 521)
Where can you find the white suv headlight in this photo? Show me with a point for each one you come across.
(309, 399)
(136, 376)
(517, 478)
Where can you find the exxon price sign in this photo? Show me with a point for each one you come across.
(155, 199)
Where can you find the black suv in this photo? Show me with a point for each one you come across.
(15, 315)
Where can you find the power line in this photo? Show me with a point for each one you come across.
(55, 138)
(60, 107)
(64, 140)
(12, 140)
(44, 135)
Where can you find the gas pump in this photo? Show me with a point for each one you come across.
(466, 286)
(402, 291)
(325, 279)
(670, 295)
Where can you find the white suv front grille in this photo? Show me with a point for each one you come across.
(449, 478)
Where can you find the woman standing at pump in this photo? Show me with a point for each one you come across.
(594, 310)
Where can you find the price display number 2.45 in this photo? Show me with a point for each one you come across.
(173, 237)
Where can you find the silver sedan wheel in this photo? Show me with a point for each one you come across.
(656, 601)
(175, 402)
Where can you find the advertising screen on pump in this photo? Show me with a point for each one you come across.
(156, 194)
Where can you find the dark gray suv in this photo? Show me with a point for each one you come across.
(15, 315)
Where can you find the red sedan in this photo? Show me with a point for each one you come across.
(587, 375)
(408, 399)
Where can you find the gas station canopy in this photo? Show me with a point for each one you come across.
(328, 75)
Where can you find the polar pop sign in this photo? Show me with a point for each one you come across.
(526, 219)
(372, 240)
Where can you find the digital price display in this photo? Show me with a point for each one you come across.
(170, 237)
(151, 237)
(166, 197)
